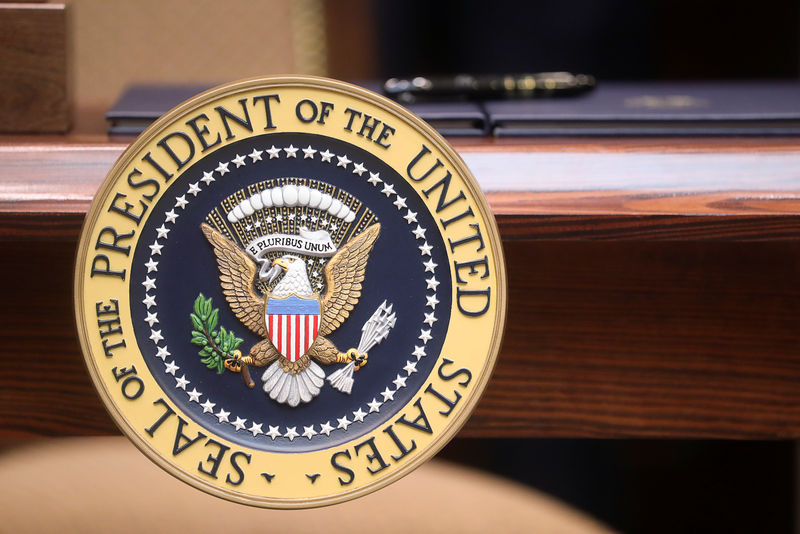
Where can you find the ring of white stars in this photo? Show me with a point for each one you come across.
(331, 425)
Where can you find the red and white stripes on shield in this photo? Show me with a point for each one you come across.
(292, 335)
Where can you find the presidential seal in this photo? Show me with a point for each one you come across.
(289, 292)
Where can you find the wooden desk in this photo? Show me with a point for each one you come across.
(653, 286)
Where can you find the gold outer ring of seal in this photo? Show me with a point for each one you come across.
(431, 136)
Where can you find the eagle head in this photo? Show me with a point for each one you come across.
(295, 277)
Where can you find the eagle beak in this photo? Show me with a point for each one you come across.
(282, 263)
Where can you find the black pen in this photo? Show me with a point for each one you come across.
(487, 87)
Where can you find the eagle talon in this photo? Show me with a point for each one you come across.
(233, 364)
(236, 361)
(352, 355)
(346, 357)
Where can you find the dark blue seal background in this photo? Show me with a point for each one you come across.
(395, 272)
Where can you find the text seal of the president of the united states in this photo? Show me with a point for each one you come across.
(289, 292)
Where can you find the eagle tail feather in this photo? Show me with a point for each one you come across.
(271, 376)
(292, 389)
(309, 382)
(281, 389)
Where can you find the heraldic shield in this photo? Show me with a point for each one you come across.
(293, 324)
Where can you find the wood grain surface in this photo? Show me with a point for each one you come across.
(623, 321)
(574, 189)
(33, 68)
(621, 339)
(658, 339)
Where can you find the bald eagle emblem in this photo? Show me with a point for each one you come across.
(294, 320)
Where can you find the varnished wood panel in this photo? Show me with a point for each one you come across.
(44, 386)
(633, 311)
(604, 339)
(66, 226)
(747, 189)
(33, 70)
(648, 339)
(633, 227)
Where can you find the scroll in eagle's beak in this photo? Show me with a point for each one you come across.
(272, 273)
(269, 275)
(277, 266)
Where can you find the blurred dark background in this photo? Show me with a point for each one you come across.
(612, 39)
(652, 486)
(636, 486)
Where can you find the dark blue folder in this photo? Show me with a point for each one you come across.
(655, 108)
(140, 105)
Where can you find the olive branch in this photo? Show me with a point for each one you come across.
(217, 345)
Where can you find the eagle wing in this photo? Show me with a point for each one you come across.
(343, 277)
(237, 276)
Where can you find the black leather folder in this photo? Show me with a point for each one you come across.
(140, 105)
(654, 108)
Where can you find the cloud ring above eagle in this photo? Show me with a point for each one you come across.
(291, 195)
